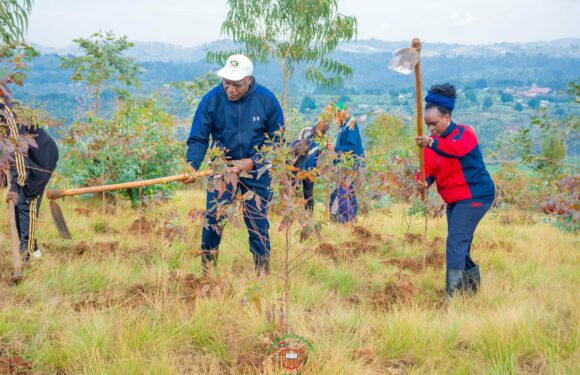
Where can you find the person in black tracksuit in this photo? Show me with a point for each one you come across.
(29, 175)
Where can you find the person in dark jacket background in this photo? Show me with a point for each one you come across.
(306, 150)
(453, 161)
(239, 116)
(29, 176)
(343, 202)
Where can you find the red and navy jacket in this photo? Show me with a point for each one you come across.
(454, 161)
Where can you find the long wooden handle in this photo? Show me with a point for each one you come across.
(16, 260)
(15, 238)
(416, 43)
(55, 194)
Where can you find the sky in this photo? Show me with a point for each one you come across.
(55, 23)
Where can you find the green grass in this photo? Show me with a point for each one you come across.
(137, 306)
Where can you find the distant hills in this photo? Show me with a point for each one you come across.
(164, 52)
(502, 66)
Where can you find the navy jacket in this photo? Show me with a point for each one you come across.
(32, 172)
(310, 160)
(349, 140)
(240, 127)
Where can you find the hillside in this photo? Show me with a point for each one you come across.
(126, 296)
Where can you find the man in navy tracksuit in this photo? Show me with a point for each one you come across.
(240, 116)
(30, 173)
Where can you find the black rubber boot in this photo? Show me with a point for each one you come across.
(208, 259)
(455, 283)
(473, 279)
(261, 264)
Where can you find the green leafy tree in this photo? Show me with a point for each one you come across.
(506, 97)
(191, 92)
(543, 145)
(308, 104)
(534, 103)
(291, 33)
(471, 97)
(14, 20)
(137, 143)
(487, 103)
(103, 65)
(390, 134)
(14, 53)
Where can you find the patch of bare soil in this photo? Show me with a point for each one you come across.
(365, 355)
(100, 301)
(328, 250)
(11, 362)
(187, 288)
(171, 232)
(357, 248)
(530, 365)
(84, 247)
(400, 292)
(143, 294)
(190, 288)
(140, 226)
(399, 367)
(364, 234)
(365, 242)
(432, 259)
(251, 362)
(413, 238)
(83, 211)
(437, 243)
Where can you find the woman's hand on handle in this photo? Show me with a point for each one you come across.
(421, 186)
(423, 141)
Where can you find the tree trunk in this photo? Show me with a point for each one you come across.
(285, 95)
(97, 93)
(287, 280)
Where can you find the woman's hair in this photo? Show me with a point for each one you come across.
(444, 89)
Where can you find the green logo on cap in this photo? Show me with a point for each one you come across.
(234, 63)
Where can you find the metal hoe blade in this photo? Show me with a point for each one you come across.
(405, 60)
(58, 219)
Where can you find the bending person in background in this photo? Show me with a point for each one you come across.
(343, 202)
(306, 150)
(29, 175)
(453, 161)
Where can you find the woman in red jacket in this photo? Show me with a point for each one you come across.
(453, 161)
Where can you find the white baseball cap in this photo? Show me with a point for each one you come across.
(237, 67)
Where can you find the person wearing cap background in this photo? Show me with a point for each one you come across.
(239, 116)
(453, 161)
(306, 151)
(343, 202)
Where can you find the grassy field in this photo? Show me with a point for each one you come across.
(126, 296)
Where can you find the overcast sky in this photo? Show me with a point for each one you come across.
(55, 23)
